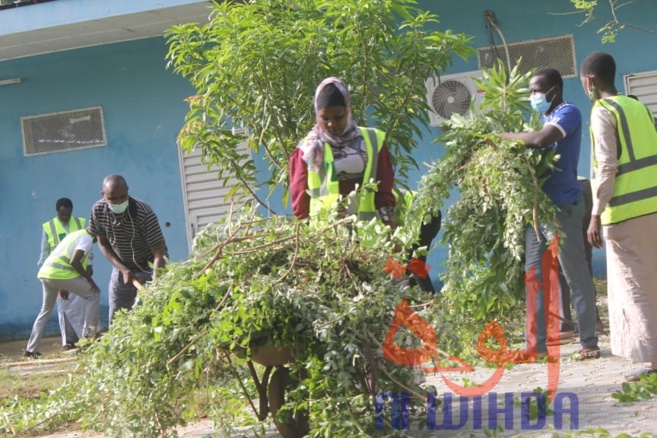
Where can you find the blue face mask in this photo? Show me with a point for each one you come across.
(118, 208)
(539, 102)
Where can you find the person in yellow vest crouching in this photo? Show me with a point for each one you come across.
(336, 157)
(70, 310)
(65, 270)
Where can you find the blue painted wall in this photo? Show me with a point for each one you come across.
(143, 108)
(63, 12)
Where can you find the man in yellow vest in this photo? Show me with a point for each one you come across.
(624, 143)
(65, 269)
(70, 308)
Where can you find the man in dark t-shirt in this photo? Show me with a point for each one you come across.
(130, 237)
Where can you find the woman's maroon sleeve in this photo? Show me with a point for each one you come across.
(384, 197)
(299, 185)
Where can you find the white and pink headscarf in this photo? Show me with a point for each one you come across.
(313, 144)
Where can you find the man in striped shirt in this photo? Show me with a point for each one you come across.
(130, 237)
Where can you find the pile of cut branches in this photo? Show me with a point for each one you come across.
(253, 281)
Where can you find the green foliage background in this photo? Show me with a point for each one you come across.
(257, 64)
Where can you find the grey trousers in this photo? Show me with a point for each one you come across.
(121, 295)
(78, 286)
(566, 316)
(572, 262)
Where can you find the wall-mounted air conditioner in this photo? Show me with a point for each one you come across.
(452, 94)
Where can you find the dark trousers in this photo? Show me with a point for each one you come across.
(121, 295)
(565, 314)
(572, 260)
(428, 232)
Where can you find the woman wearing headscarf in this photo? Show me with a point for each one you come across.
(336, 157)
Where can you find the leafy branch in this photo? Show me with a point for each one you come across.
(642, 390)
(499, 195)
(612, 26)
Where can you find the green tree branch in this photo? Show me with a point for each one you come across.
(610, 28)
(257, 64)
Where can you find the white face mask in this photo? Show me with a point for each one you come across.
(118, 208)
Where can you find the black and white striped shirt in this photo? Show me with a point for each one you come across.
(132, 235)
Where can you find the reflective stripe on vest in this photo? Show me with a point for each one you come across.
(635, 185)
(58, 265)
(324, 186)
(53, 228)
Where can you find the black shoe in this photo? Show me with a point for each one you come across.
(636, 376)
(69, 346)
(32, 355)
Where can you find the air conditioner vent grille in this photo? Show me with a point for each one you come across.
(451, 97)
(63, 131)
(452, 94)
(557, 52)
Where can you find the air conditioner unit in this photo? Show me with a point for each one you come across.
(452, 94)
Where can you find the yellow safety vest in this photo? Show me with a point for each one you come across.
(58, 264)
(635, 186)
(55, 231)
(324, 185)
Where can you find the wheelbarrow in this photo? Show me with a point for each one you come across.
(272, 388)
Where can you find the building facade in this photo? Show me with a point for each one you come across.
(65, 64)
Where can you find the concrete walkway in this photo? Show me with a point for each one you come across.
(590, 382)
